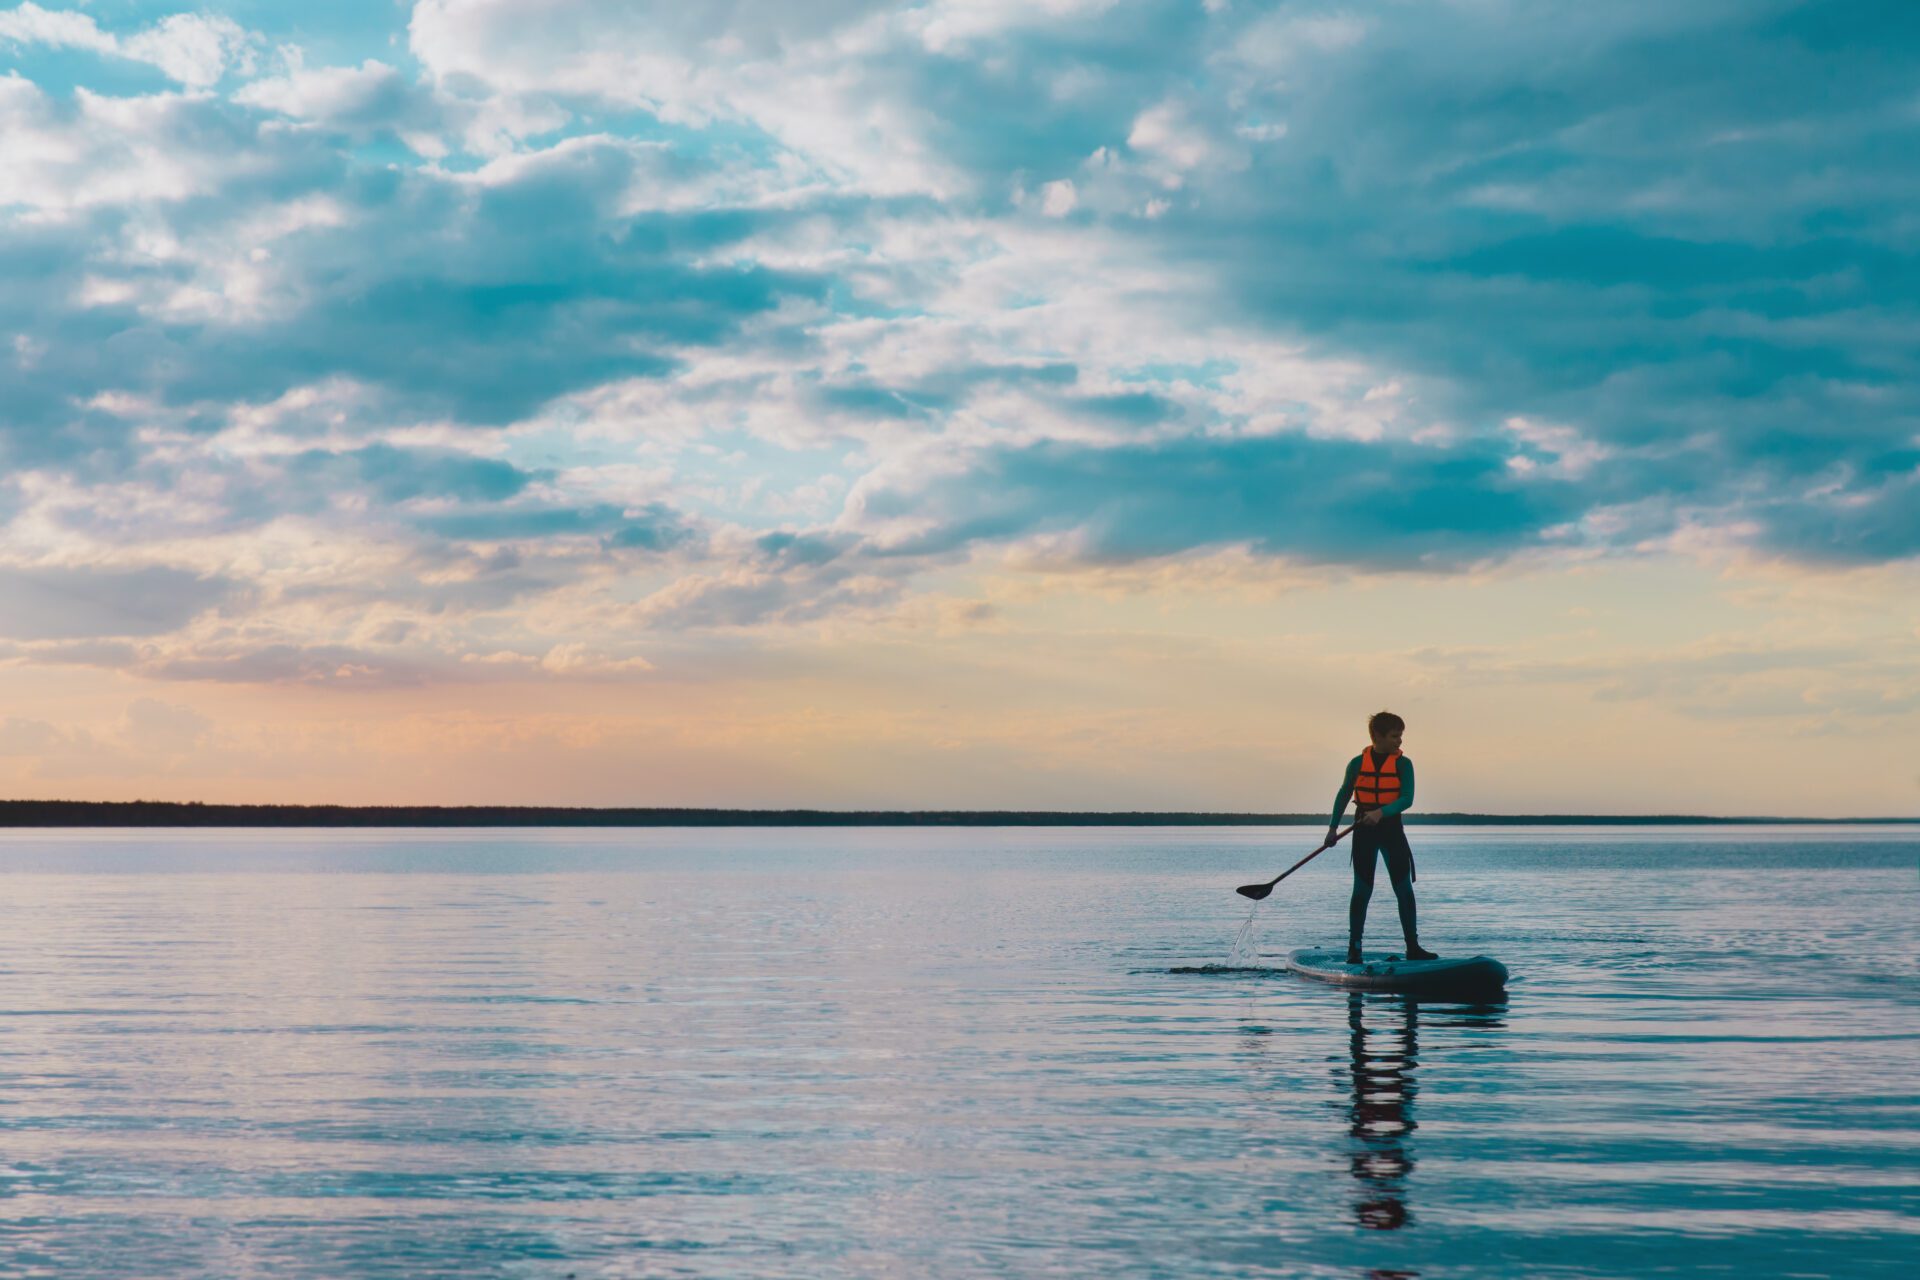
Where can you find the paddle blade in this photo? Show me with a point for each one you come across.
(1254, 891)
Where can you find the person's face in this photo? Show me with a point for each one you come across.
(1385, 743)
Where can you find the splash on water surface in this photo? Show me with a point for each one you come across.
(1245, 951)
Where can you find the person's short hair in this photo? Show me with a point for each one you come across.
(1385, 722)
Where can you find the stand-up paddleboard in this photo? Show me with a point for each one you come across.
(1386, 971)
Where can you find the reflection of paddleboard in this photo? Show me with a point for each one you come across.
(1386, 971)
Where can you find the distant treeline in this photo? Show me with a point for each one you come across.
(155, 813)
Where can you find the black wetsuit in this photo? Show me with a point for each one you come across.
(1372, 841)
(1389, 840)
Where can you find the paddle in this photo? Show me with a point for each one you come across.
(1259, 891)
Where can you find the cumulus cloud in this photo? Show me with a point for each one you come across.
(194, 49)
(478, 298)
(98, 150)
(362, 102)
(30, 24)
(887, 99)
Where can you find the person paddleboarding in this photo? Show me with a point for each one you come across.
(1379, 783)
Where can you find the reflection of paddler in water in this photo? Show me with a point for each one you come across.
(1380, 1118)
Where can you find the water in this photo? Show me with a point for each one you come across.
(949, 1053)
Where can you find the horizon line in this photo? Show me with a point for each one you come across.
(197, 813)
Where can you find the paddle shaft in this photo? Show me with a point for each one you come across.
(1310, 857)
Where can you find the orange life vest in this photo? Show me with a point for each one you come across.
(1376, 785)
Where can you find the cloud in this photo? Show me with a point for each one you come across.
(56, 602)
(1864, 521)
(68, 157)
(581, 660)
(752, 315)
(20, 736)
(362, 102)
(477, 298)
(319, 665)
(1677, 259)
(194, 49)
(1323, 501)
(485, 300)
(889, 100)
(752, 598)
(30, 24)
(394, 475)
(652, 528)
(1693, 270)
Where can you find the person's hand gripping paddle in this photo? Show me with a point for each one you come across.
(1259, 891)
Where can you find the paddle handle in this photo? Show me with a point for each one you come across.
(1310, 857)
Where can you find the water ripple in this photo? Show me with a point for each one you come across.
(887, 1053)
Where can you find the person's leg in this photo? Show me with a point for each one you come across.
(1365, 847)
(1399, 859)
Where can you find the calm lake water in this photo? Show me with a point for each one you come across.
(950, 1053)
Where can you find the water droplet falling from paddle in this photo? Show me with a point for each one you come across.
(1246, 952)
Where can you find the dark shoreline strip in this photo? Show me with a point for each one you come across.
(156, 813)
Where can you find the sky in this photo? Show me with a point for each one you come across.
(1053, 404)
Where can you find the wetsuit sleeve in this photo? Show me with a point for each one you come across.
(1346, 791)
(1405, 798)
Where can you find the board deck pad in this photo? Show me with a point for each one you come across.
(1389, 971)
